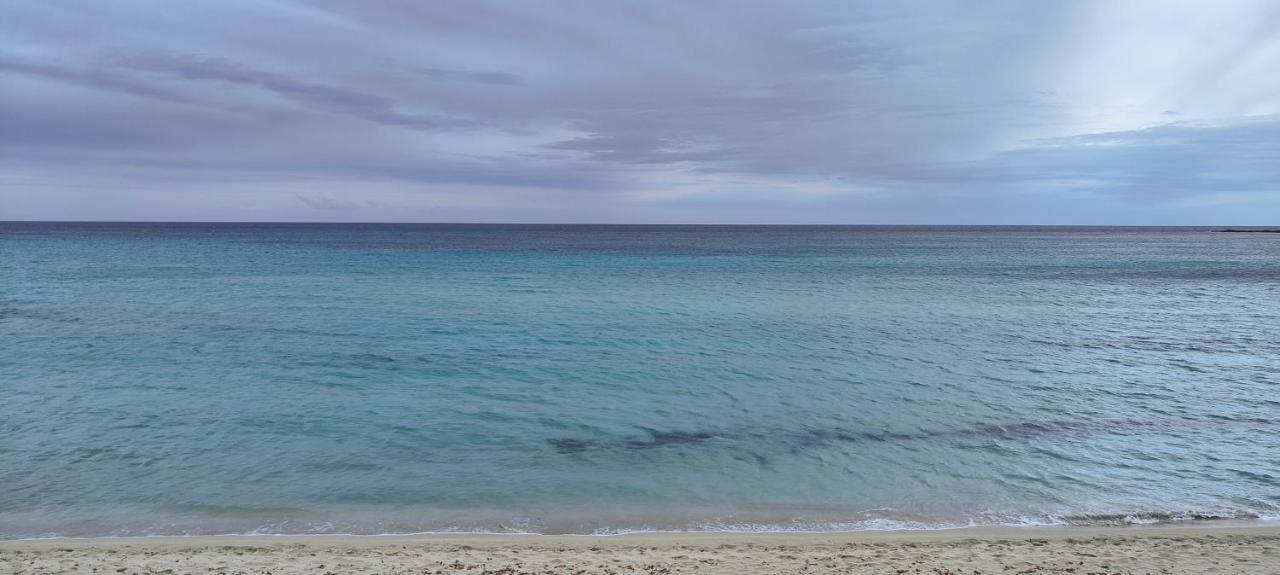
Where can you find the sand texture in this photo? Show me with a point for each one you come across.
(1025, 551)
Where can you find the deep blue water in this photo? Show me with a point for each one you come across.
(230, 378)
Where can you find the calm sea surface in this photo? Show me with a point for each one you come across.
(198, 378)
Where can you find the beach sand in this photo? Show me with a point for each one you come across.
(1132, 550)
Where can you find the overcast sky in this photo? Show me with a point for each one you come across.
(676, 111)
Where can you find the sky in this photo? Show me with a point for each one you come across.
(680, 111)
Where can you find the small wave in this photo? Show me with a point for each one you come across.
(1157, 518)
(987, 520)
(870, 520)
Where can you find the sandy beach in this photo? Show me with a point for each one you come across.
(1138, 550)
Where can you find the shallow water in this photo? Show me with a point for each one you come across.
(197, 378)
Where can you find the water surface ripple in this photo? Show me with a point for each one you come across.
(231, 378)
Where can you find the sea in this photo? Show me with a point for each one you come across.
(214, 378)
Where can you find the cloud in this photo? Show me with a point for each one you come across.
(498, 78)
(1165, 162)
(325, 97)
(715, 111)
(332, 203)
(96, 78)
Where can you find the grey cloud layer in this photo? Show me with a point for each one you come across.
(323, 96)
(660, 111)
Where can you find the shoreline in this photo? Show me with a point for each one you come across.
(1164, 549)
(1190, 526)
(745, 526)
(1231, 528)
(1209, 523)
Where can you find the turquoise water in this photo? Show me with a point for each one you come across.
(197, 378)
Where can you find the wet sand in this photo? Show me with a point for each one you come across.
(1130, 550)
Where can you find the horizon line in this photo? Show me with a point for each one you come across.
(651, 224)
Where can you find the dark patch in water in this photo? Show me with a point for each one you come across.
(655, 440)
(1020, 430)
(572, 445)
(668, 438)
(1012, 431)
(1017, 431)
(10, 309)
(820, 436)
